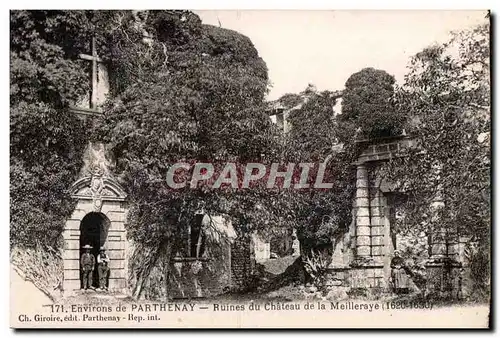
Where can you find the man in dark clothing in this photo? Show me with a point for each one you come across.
(103, 268)
(87, 264)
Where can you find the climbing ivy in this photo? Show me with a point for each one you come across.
(182, 91)
(46, 139)
(447, 172)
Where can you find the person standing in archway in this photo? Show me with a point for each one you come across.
(87, 264)
(399, 278)
(103, 268)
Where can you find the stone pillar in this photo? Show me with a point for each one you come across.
(241, 263)
(437, 243)
(363, 240)
(437, 236)
(379, 225)
(71, 253)
(388, 248)
(444, 243)
(443, 268)
(116, 245)
(71, 259)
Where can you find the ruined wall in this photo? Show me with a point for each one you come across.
(210, 274)
(200, 278)
(242, 263)
(373, 241)
(372, 245)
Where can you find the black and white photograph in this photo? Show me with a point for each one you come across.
(250, 168)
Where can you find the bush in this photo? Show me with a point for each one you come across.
(367, 102)
(316, 265)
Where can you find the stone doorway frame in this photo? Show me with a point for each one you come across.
(110, 200)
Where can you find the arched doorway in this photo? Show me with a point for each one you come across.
(94, 232)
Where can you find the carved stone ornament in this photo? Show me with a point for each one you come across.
(96, 181)
(96, 187)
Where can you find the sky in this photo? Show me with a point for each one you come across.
(325, 47)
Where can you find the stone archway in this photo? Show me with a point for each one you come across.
(102, 199)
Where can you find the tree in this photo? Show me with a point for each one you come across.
(315, 136)
(367, 102)
(186, 92)
(447, 172)
(47, 140)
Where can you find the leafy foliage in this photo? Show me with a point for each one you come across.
(316, 265)
(316, 135)
(47, 140)
(367, 102)
(447, 171)
(184, 91)
(195, 94)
